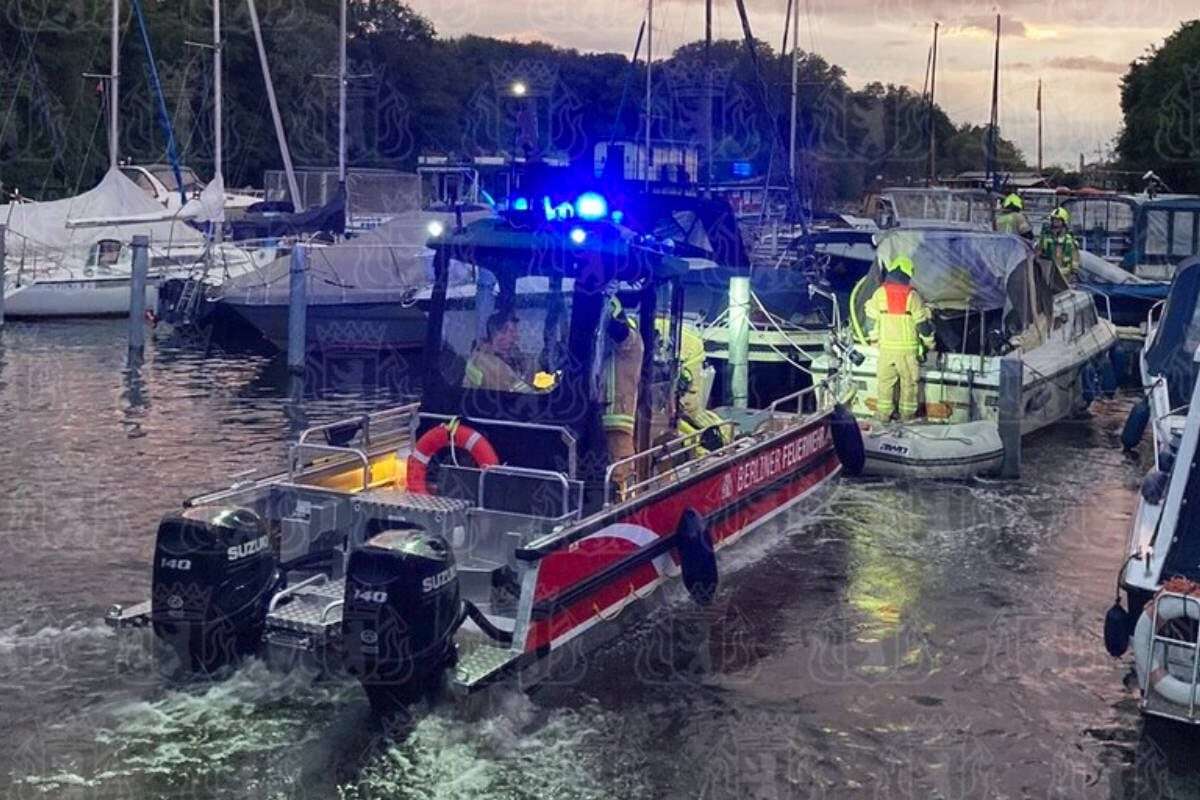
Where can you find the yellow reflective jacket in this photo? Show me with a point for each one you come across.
(487, 370)
(896, 312)
(1012, 222)
(622, 374)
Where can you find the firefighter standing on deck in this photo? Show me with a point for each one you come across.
(1058, 245)
(1011, 218)
(901, 327)
(622, 376)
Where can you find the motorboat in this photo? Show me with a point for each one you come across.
(931, 207)
(1160, 579)
(1163, 237)
(369, 292)
(991, 300)
(172, 188)
(486, 535)
(1166, 367)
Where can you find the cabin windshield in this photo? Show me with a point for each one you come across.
(1110, 216)
(1171, 233)
(497, 338)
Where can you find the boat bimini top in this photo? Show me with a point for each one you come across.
(1177, 336)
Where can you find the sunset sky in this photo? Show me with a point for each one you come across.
(1080, 50)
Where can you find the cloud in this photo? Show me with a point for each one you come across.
(1088, 64)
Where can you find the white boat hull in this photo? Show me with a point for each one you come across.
(85, 297)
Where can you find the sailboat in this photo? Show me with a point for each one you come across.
(71, 257)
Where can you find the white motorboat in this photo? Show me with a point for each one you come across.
(1160, 578)
(991, 299)
(1166, 368)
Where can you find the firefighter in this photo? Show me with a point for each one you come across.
(622, 373)
(902, 329)
(1011, 218)
(491, 364)
(1058, 245)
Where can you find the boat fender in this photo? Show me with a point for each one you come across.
(697, 560)
(1108, 375)
(1120, 364)
(847, 440)
(1091, 383)
(451, 434)
(1151, 666)
(1117, 624)
(1154, 486)
(1135, 424)
(1166, 459)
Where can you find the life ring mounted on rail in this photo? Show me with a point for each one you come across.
(452, 434)
(1177, 600)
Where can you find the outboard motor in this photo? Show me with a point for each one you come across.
(214, 573)
(401, 610)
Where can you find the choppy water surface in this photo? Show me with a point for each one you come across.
(932, 640)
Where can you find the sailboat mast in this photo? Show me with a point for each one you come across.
(932, 105)
(708, 93)
(1039, 113)
(218, 143)
(284, 152)
(795, 89)
(114, 88)
(649, 62)
(993, 122)
(342, 34)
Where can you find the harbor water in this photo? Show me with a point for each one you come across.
(911, 641)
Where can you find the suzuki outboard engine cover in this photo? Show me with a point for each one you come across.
(214, 574)
(401, 610)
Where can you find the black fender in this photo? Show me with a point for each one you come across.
(697, 559)
(847, 440)
(1118, 626)
(1135, 424)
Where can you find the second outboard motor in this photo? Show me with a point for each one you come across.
(402, 607)
(214, 574)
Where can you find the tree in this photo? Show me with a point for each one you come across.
(1160, 103)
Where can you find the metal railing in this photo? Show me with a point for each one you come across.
(403, 418)
(546, 474)
(664, 452)
(568, 438)
(1167, 643)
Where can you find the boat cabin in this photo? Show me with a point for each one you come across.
(1103, 224)
(1165, 234)
(931, 207)
(548, 289)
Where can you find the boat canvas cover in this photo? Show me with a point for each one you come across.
(383, 265)
(38, 234)
(960, 270)
(1171, 353)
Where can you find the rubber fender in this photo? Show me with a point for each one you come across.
(1108, 375)
(697, 560)
(1135, 424)
(1154, 486)
(1118, 625)
(1091, 383)
(847, 440)
(1120, 364)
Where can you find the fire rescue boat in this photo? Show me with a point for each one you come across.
(481, 534)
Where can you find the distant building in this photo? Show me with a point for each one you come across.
(978, 179)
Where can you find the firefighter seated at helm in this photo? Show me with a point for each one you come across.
(495, 362)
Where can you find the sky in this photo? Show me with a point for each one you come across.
(1078, 49)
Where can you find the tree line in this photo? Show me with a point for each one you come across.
(414, 93)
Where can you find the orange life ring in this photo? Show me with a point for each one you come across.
(437, 439)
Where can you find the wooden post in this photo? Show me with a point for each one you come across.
(1012, 378)
(3, 275)
(297, 309)
(137, 292)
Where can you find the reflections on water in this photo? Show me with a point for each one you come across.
(910, 641)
